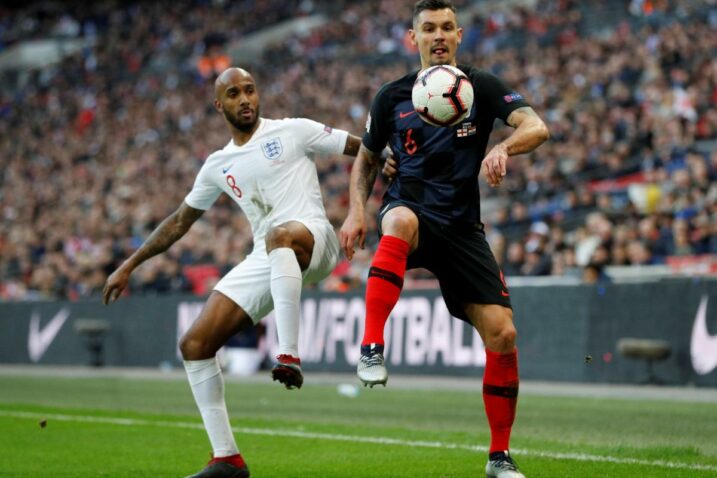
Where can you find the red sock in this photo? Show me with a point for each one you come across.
(500, 395)
(235, 460)
(385, 280)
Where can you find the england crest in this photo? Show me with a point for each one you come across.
(272, 149)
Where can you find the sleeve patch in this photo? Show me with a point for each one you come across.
(512, 97)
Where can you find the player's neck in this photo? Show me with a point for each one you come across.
(242, 137)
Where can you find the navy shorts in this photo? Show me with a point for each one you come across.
(462, 261)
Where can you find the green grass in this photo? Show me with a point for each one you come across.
(278, 432)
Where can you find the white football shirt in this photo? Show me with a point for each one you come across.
(271, 177)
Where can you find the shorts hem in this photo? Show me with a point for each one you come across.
(236, 298)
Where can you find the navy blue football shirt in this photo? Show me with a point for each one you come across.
(438, 167)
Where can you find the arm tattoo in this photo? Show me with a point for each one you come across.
(167, 233)
(363, 175)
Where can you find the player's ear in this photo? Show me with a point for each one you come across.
(412, 36)
(460, 35)
(218, 105)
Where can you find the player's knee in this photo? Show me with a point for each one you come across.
(508, 336)
(403, 225)
(278, 236)
(194, 348)
(502, 335)
(502, 340)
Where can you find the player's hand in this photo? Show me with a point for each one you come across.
(390, 165)
(354, 228)
(494, 165)
(390, 168)
(116, 283)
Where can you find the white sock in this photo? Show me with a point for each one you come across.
(205, 378)
(286, 292)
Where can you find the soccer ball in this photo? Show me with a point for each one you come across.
(442, 95)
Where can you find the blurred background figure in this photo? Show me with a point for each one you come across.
(594, 273)
(99, 134)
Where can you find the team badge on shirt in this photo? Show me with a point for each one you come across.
(466, 129)
(272, 149)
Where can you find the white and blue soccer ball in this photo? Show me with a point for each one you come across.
(442, 95)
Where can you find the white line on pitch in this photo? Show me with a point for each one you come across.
(360, 439)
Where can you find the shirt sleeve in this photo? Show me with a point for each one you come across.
(501, 99)
(377, 127)
(319, 138)
(204, 192)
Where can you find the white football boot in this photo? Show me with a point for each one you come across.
(371, 368)
(502, 467)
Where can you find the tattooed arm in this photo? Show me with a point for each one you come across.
(167, 233)
(530, 132)
(363, 177)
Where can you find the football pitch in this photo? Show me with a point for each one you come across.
(58, 425)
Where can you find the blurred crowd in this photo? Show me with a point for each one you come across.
(96, 150)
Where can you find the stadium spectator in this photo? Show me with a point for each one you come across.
(594, 273)
(92, 136)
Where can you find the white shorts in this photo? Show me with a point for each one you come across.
(248, 284)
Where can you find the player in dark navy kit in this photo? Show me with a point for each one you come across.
(431, 215)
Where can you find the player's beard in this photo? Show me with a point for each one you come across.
(445, 59)
(242, 124)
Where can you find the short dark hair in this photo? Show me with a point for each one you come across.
(431, 5)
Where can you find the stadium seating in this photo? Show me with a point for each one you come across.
(98, 148)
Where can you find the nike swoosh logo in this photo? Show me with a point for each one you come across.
(703, 346)
(404, 114)
(224, 170)
(384, 209)
(39, 339)
(504, 293)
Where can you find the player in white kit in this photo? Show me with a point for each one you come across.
(266, 170)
